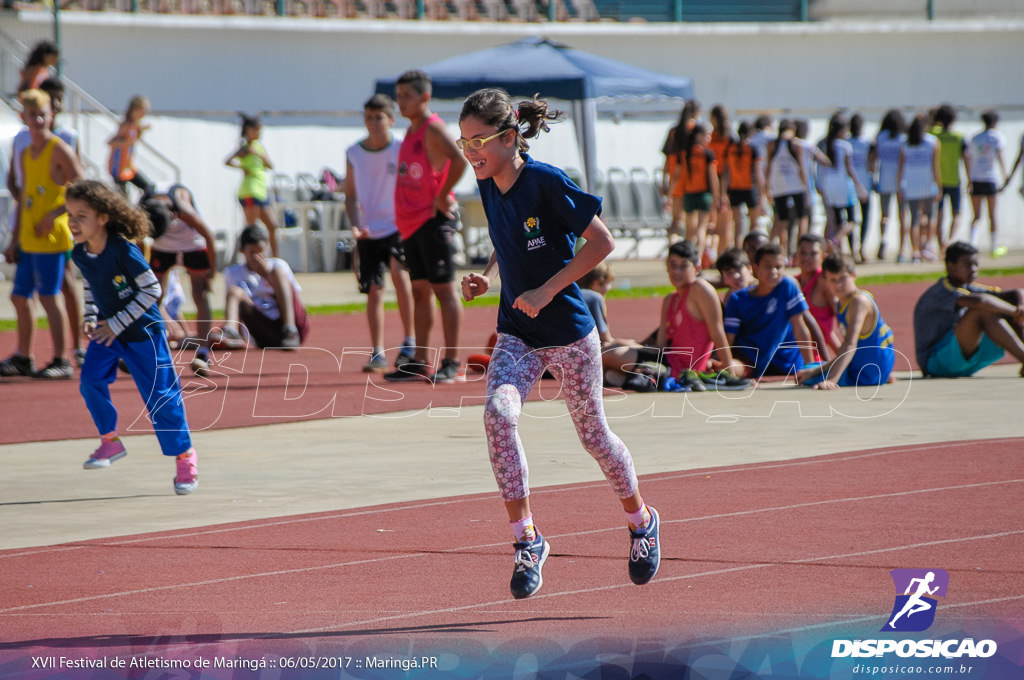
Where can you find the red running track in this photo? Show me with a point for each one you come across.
(747, 550)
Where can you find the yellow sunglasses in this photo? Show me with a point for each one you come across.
(478, 142)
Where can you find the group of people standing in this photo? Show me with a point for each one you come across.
(714, 174)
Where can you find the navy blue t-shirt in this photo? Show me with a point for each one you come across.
(534, 227)
(121, 288)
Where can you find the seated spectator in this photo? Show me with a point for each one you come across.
(765, 323)
(960, 327)
(734, 269)
(263, 297)
(810, 251)
(865, 355)
(691, 326)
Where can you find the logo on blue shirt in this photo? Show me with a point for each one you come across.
(532, 228)
(121, 287)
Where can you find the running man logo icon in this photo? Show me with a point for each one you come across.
(914, 609)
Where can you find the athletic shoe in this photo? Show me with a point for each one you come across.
(449, 372)
(17, 365)
(187, 479)
(107, 453)
(413, 371)
(406, 355)
(645, 552)
(58, 369)
(79, 355)
(640, 382)
(690, 378)
(999, 251)
(529, 560)
(229, 339)
(378, 364)
(881, 251)
(201, 364)
(723, 381)
(291, 338)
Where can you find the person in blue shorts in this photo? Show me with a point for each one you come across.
(535, 215)
(764, 322)
(866, 354)
(960, 326)
(123, 321)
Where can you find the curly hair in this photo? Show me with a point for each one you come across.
(493, 106)
(123, 217)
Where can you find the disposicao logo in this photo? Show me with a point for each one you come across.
(914, 611)
(914, 608)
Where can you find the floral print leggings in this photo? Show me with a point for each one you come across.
(514, 369)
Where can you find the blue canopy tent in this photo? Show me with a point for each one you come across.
(557, 71)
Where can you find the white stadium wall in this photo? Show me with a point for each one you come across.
(188, 65)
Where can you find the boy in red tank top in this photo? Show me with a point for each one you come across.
(429, 166)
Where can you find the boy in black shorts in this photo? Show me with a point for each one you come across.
(372, 166)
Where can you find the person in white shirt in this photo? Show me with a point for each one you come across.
(984, 157)
(834, 180)
(919, 182)
(371, 171)
(891, 134)
(263, 298)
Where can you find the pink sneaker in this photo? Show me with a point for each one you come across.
(187, 479)
(107, 453)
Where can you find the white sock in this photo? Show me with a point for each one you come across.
(524, 530)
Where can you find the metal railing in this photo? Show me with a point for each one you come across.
(88, 115)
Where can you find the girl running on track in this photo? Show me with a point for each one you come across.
(123, 321)
(535, 214)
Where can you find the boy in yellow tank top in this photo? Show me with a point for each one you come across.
(42, 240)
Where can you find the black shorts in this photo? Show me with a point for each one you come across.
(194, 261)
(429, 251)
(843, 215)
(375, 256)
(747, 197)
(954, 198)
(983, 189)
(791, 207)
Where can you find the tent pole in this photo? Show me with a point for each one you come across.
(585, 119)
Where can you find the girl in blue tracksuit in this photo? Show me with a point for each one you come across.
(122, 321)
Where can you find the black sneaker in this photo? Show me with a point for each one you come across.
(529, 560)
(58, 369)
(645, 552)
(724, 381)
(449, 372)
(413, 371)
(17, 365)
(640, 382)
